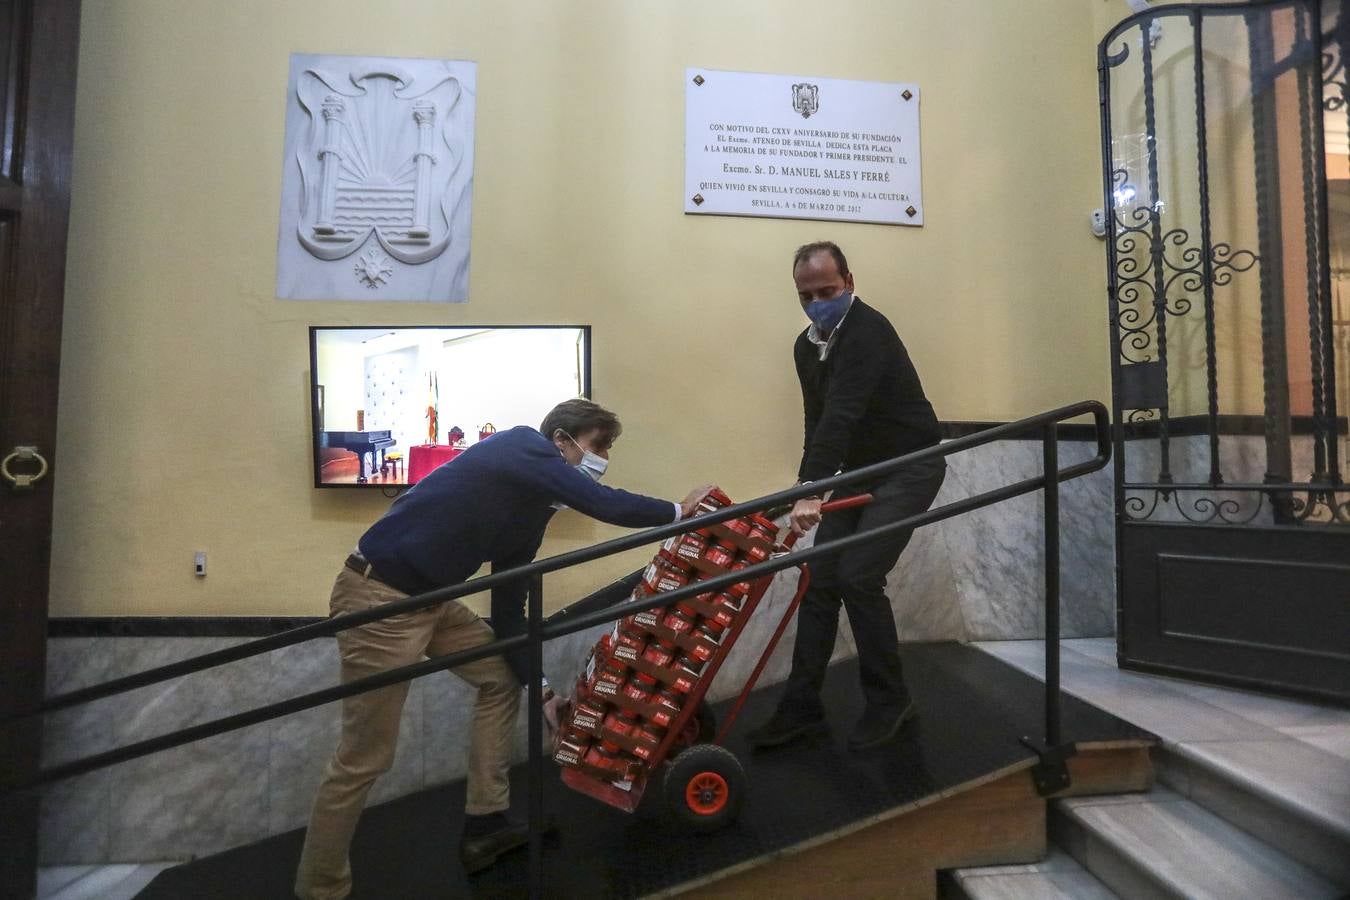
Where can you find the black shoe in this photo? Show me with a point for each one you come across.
(487, 837)
(875, 729)
(784, 728)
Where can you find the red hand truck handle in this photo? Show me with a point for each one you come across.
(802, 583)
(832, 506)
(846, 503)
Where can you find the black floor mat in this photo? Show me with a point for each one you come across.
(972, 711)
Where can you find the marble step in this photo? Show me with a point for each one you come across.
(1290, 795)
(1250, 758)
(1159, 844)
(114, 882)
(1058, 876)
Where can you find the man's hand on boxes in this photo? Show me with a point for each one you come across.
(689, 505)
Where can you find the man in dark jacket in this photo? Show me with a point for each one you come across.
(488, 505)
(863, 404)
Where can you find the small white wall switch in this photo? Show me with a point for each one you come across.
(199, 563)
(1098, 222)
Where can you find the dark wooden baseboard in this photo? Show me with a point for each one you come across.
(174, 626)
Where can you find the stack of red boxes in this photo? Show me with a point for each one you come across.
(638, 675)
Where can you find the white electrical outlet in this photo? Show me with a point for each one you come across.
(199, 563)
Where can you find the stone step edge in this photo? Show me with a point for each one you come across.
(953, 882)
(1251, 785)
(1257, 788)
(1264, 814)
(1142, 879)
(1064, 813)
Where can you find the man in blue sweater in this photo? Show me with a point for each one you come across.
(863, 404)
(488, 505)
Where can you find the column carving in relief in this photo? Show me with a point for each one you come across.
(378, 165)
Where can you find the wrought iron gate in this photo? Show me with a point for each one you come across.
(1227, 189)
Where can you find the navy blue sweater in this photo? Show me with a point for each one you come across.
(491, 504)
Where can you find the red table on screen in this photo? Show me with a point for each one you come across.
(425, 457)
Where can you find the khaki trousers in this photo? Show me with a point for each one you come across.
(370, 721)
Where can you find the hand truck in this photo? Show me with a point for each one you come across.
(704, 783)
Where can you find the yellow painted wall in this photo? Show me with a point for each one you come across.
(184, 419)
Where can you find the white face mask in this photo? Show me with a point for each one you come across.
(592, 465)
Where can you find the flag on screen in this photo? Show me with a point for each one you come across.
(433, 402)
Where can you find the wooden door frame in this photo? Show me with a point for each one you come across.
(35, 174)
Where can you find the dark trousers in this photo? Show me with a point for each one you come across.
(857, 578)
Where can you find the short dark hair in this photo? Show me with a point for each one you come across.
(806, 251)
(577, 417)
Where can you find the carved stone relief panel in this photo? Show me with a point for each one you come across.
(377, 185)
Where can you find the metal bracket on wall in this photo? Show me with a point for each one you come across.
(1051, 774)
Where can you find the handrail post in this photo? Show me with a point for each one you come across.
(1050, 452)
(1051, 774)
(535, 692)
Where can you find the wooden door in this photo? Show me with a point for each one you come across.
(39, 48)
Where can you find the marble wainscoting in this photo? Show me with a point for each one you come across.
(997, 554)
(173, 805)
(973, 577)
(211, 795)
(980, 573)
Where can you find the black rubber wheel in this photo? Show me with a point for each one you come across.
(705, 787)
(700, 729)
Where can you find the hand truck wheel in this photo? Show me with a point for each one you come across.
(700, 729)
(705, 787)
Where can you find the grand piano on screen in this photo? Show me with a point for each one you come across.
(361, 443)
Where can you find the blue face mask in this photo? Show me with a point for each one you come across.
(828, 313)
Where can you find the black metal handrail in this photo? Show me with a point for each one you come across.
(565, 560)
(1288, 487)
(1051, 749)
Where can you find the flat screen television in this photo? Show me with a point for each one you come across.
(392, 403)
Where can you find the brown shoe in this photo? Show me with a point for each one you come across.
(488, 837)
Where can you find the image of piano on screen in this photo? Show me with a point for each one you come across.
(376, 423)
(364, 444)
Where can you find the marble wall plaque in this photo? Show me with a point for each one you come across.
(377, 181)
(798, 147)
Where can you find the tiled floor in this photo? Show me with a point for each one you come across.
(96, 882)
(1298, 752)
